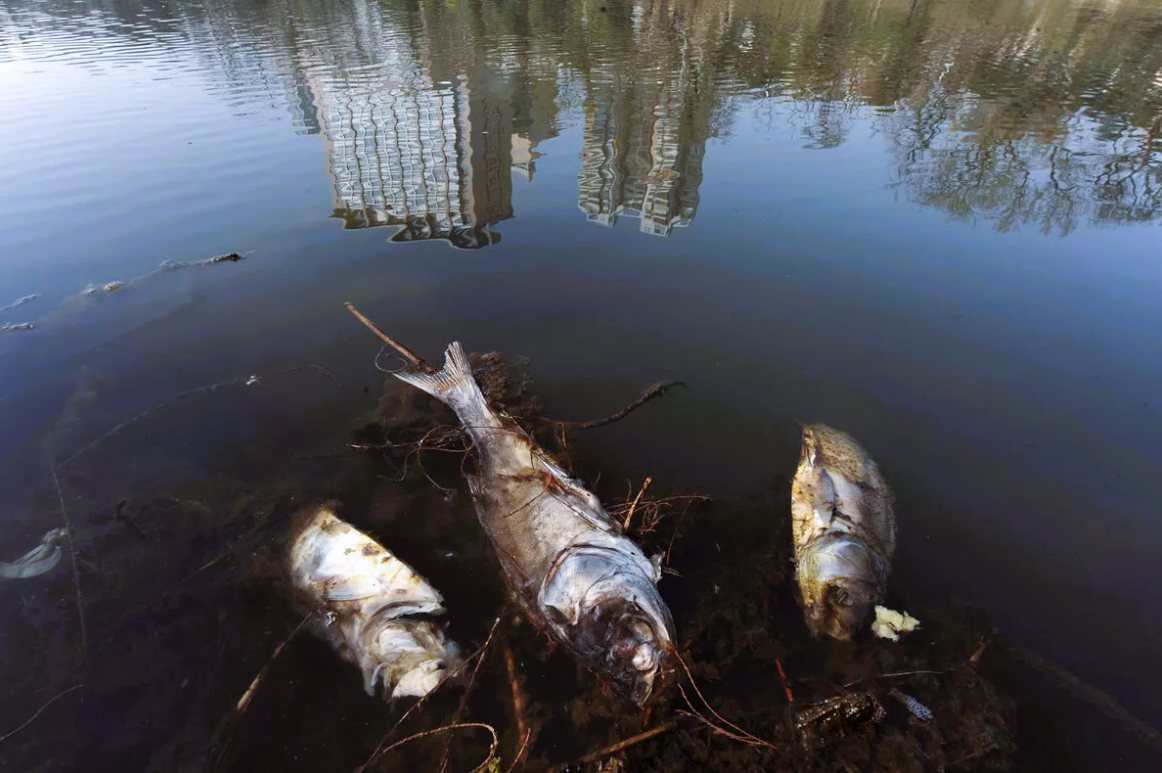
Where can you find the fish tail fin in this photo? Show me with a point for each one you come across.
(453, 384)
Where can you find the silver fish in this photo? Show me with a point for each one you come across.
(844, 531)
(359, 594)
(41, 559)
(577, 575)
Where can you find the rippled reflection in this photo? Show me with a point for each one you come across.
(1006, 112)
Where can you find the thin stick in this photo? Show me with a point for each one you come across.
(665, 727)
(783, 679)
(518, 708)
(445, 729)
(742, 734)
(39, 711)
(890, 676)
(521, 751)
(468, 689)
(220, 740)
(243, 380)
(633, 505)
(76, 572)
(974, 659)
(244, 701)
(657, 390)
(403, 351)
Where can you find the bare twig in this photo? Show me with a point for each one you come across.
(657, 390)
(975, 657)
(783, 678)
(40, 711)
(76, 572)
(738, 733)
(665, 727)
(974, 755)
(244, 701)
(633, 505)
(220, 741)
(520, 753)
(402, 350)
(446, 728)
(892, 676)
(237, 380)
(468, 690)
(518, 708)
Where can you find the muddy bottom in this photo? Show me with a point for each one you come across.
(189, 657)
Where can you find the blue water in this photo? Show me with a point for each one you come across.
(933, 225)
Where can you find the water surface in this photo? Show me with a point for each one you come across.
(933, 224)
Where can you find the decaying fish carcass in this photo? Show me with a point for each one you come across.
(577, 575)
(844, 531)
(369, 605)
(39, 560)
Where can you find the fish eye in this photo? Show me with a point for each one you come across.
(556, 616)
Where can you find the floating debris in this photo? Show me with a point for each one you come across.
(108, 287)
(579, 578)
(889, 624)
(16, 326)
(40, 560)
(177, 265)
(370, 606)
(20, 302)
(918, 709)
(844, 531)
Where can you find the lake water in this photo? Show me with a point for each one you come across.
(933, 224)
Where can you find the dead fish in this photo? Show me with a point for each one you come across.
(579, 578)
(368, 605)
(39, 560)
(844, 531)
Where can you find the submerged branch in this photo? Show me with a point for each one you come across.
(657, 390)
(402, 350)
(76, 572)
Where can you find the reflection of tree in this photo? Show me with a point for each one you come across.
(999, 111)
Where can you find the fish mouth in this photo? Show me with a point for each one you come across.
(606, 610)
(629, 646)
(840, 581)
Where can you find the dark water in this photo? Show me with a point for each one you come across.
(932, 224)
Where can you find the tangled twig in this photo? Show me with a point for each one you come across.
(735, 732)
(446, 728)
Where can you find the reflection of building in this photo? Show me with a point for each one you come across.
(432, 159)
(642, 156)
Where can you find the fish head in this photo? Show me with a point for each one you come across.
(602, 603)
(405, 657)
(840, 581)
